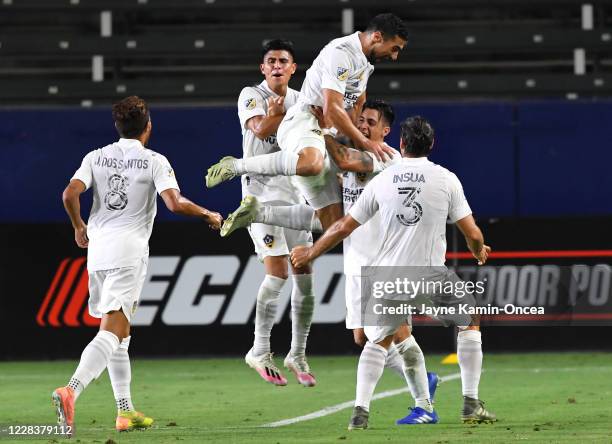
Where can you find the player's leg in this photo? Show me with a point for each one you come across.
(295, 217)
(417, 377)
(469, 355)
(302, 307)
(96, 355)
(302, 153)
(369, 370)
(271, 248)
(119, 365)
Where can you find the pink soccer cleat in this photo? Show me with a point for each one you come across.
(63, 401)
(264, 365)
(301, 369)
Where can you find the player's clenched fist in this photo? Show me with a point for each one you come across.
(214, 220)
(300, 256)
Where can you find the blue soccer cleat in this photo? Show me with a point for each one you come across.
(419, 416)
(433, 380)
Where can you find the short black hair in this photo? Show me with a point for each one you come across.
(389, 25)
(278, 45)
(417, 136)
(385, 110)
(131, 116)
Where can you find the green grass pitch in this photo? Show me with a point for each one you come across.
(543, 397)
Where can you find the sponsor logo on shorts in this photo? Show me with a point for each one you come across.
(316, 131)
(250, 103)
(268, 239)
(342, 74)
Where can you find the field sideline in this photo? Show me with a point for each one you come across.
(545, 397)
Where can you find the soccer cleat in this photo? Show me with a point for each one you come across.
(474, 412)
(63, 400)
(127, 421)
(418, 415)
(220, 172)
(359, 419)
(301, 369)
(433, 380)
(242, 217)
(264, 365)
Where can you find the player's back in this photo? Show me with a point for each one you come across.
(341, 66)
(124, 177)
(415, 197)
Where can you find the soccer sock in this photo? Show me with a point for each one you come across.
(469, 354)
(265, 312)
(281, 163)
(369, 371)
(395, 362)
(94, 360)
(120, 373)
(415, 372)
(296, 217)
(302, 306)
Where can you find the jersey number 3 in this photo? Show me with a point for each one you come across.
(413, 210)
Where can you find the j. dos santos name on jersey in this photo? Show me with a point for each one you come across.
(110, 162)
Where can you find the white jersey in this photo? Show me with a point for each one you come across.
(124, 177)
(253, 101)
(361, 246)
(340, 66)
(414, 198)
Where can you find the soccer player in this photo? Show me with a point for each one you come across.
(415, 236)
(261, 109)
(360, 248)
(336, 82)
(124, 177)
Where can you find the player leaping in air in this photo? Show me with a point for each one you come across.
(261, 109)
(336, 82)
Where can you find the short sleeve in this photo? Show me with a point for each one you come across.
(85, 171)
(336, 70)
(378, 165)
(250, 104)
(458, 207)
(367, 205)
(163, 174)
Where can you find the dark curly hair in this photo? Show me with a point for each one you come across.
(131, 116)
(417, 136)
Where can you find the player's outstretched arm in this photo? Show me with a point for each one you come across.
(341, 229)
(474, 238)
(349, 159)
(333, 111)
(265, 126)
(179, 204)
(72, 204)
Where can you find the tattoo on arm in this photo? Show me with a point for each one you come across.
(349, 159)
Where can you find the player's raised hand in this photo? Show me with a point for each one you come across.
(276, 106)
(483, 254)
(300, 256)
(80, 236)
(214, 220)
(381, 150)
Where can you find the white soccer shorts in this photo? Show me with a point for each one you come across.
(354, 318)
(298, 130)
(270, 240)
(119, 288)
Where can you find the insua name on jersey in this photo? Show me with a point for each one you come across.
(408, 177)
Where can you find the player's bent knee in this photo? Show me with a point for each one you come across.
(311, 162)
